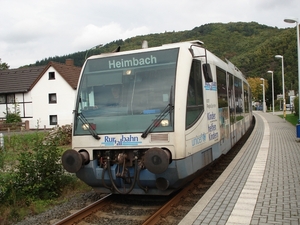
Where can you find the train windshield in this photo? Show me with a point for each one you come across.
(127, 93)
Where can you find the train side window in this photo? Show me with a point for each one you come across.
(231, 98)
(246, 97)
(194, 108)
(207, 73)
(222, 88)
(238, 90)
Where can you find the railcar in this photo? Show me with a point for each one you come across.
(146, 121)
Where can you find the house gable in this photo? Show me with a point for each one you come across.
(68, 71)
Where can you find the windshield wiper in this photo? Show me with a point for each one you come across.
(81, 117)
(168, 110)
(159, 118)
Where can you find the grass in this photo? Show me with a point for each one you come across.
(20, 211)
(291, 118)
(39, 206)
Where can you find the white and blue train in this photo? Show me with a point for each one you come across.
(146, 121)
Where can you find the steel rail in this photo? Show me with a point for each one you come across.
(161, 212)
(84, 212)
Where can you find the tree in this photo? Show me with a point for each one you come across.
(3, 66)
(256, 87)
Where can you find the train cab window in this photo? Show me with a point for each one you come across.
(194, 108)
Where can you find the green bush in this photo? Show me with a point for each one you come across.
(1, 158)
(23, 142)
(31, 173)
(14, 115)
(38, 173)
(13, 118)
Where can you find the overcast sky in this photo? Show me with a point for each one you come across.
(32, 30)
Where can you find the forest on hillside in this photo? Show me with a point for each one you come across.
(250, 46)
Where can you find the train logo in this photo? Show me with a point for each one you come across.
(123, 140)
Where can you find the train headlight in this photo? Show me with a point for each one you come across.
(164, 123)
(85, 126)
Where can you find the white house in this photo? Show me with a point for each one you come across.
(43, 95)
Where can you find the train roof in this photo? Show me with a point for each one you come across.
(164, 46)
(212, 58)
(195, 42)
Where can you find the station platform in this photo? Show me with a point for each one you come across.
(262, 183)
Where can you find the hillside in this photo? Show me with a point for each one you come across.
(250, 46)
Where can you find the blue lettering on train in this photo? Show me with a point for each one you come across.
(199, 139)
(124, 140)
(212, 127)
(213, 135)
(211, 116)
(210, 86)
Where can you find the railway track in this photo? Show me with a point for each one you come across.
(149, 210)
(118, 209)
(146, 210)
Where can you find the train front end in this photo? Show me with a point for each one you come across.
(123, 132)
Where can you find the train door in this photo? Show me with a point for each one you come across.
(224, 121)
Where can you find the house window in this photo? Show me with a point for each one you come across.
(11, 98)
(52, 98)
(51, 75)
(53, 119)
(2, 99)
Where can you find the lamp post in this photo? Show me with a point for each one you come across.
(264, 102)
(93, 48)
(298, 48)
(283, 91)
(272, 90)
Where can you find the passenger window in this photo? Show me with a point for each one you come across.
(238, 98)
(246, 97)
(231, 98)
(222, 88)
(194, 108)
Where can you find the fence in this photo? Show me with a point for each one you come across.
(20, 126)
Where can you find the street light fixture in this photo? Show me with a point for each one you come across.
(295, 20)
(270, 71)
(264, 102)
(283, 91)
(93, 48)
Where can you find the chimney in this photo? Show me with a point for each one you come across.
(69, 62)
